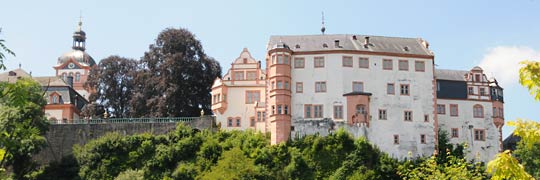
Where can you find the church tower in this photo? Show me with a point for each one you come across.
(74, 66)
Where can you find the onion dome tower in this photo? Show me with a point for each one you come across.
(74, 66)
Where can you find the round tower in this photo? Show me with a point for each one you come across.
(278, 87)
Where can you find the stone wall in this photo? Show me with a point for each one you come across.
(61, 137)
(327, 126)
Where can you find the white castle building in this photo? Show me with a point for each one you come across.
(383, 88)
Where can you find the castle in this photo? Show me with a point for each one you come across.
(64, 92)
(386, 89)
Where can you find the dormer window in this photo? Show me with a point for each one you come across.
(477, 78)
(297, 46)
(54, 99)
(11, 73)
(325, 45)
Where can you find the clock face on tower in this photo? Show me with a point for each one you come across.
(71, 65)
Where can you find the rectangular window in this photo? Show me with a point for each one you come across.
(237, 122)
(273, 85)
(238, 75)
(471, 90)
(252, 97)
(299, 63)
(404, 89)
(285, 109)
(317, 111)
(363, 62)
(419, 66)
(287, 85)
(423, 138)
(320, 87)
(495, 113)
(482, 91)
(455, 133)
(347, 61)
(278, 109)
(280, 59)
(259, 116)
(387, 64)
(252, 122)
(273, 109)
(403, 65)
(299, 87)
(454, 110)
(280, 84)
(407, 115)
(441, 109)
(426, 118)
(382, 114)
(338, 112)
(318, 62)
(264, 116)
(477, 77)
(390, 89)
(229, 122)
(396, 139)
(252, 75)
(479, 135)
(307, 111)
(358, 87)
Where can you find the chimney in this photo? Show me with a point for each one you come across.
(354, 37)
(366, 41)
(70, 81)
(336, 42)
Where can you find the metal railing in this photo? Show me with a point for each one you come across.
(127, 120)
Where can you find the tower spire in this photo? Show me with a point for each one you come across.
(323, 28)
(79, 37)
(79, 28)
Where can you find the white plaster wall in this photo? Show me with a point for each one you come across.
(56, 113)
(339, 81)
(485, 149)
(237, 107)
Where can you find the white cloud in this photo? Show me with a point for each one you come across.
(502, 62)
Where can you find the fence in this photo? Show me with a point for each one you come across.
(128, 120)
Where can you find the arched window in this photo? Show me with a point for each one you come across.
(77, 77)
(71, 74)
(478, 111)
(64, 76)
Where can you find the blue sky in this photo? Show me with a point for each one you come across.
(493, 33)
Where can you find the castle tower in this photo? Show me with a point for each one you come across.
(74, 66)
(278, 65)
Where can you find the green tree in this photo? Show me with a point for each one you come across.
(2, 56)
(529, 76)
(505, 166)
(454, 168)
(113, 84)
(22, 125)
(529, 157)
(175, 78)
(233, 165)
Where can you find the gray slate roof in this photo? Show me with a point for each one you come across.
(451, 75)
(346, 41)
